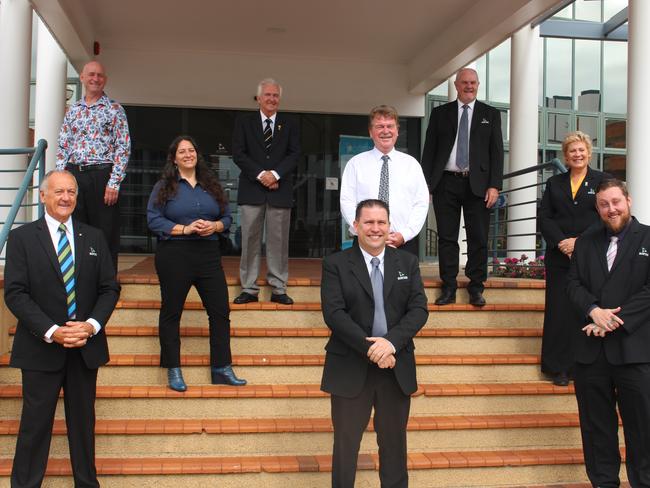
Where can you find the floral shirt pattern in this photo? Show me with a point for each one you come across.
(96, 134)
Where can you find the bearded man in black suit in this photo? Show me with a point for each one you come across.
(463, 165)
(60, 284)
(373, 301)
(609, 283)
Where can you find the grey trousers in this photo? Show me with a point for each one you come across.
(254, 218)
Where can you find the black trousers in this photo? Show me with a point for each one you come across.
(91, 208)
(562, 323)
(181, 264)
(40, 395)
(350, 417)
(600, 386)
(452, 194)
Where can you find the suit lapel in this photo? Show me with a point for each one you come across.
(79, 247)
(390, 271)
(45, 240)
(257, 128)
(477, 116)
(565, 186)
(360, 270)
(586, 185)
(452, 115)
(630, 243)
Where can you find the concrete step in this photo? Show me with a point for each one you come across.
(427, 469)
(295, 400)
(289, 340)
(144, 369)
(310, 436)
(509, 293)
(145, 312)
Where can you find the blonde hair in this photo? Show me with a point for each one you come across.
(577, 136)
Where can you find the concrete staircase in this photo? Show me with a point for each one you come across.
(483, 415)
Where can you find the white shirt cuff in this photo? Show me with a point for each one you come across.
(48, 335)
(277, 176)
(95, 325)
(259, 176)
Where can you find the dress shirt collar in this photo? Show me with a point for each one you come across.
(377, 154)
(621, 235)
(367, 257)
(53, 228)
(272, 117)
(470, 105)
(103, 100)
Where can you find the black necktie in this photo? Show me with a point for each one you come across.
(268, 135)
(462, 148)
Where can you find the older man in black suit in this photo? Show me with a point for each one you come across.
(60, 284)
(463, 165)
(609, 282)
(373, 301)
(266, 147)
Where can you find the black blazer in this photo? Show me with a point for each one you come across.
(561, 217)
(250, 155)
(627, 285)
(485, 146)
(35, 294)
(348, 310)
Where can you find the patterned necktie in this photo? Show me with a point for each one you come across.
(611, 252)
(462, 146)
(268, 135)
(379, 327)
(383, 180)
(66, 261)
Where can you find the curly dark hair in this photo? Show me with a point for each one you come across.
(204, 176)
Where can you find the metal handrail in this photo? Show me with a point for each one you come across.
(38, 159)
(554, 164)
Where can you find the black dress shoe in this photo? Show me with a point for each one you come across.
(283, 299)
(225, 376)
(561, 379)
(245, 298)
(446, 297)
(476, 299)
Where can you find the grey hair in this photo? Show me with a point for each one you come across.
(43, 186)
(267, 81)
(466, 69)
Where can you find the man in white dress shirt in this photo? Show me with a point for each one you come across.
(389, 175)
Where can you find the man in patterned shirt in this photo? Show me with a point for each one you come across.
(94, 145)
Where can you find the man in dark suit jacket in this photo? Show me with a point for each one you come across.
(265, 146)
(60, 340)
(609, 283)
(464, 169)
(368, 363)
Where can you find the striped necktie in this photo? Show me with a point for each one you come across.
(66, 261)
(268, 135)
(611, 252)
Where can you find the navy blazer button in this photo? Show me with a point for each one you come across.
(268, 157)
(575, 203)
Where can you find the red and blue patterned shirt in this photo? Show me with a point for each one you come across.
(95, 134)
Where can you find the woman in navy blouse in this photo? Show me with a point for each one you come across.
(187, 210)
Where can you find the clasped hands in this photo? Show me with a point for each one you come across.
(604, 320)
(204, 227)
(566, 246)
(268, 180)
(73, 334)
(381, 352)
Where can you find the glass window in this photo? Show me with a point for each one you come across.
(614, 164)
(505, 128)
(558, 127)
(612, 7)
(615, 77)
(615, 133)
(587, 76)
(540, 91)
(587, 10)
(589, 125)
(499, 82)
(481, 69)
(440, 90)
(565, 13)
(558, 73)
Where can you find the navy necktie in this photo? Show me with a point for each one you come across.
(379, 327)
(462, 147)
(268, 135)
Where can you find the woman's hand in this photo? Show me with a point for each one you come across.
(566, 245)
(208, 227)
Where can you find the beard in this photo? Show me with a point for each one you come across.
(620, 224)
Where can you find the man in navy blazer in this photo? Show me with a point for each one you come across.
(266, 147)
(609, 283)
(463, 173)
(55, 347)
(362, 370)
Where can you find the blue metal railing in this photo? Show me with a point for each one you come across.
(37, 162)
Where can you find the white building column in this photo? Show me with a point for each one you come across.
(15, 59)
(51, 73)
(638, 105)
(524, 66)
